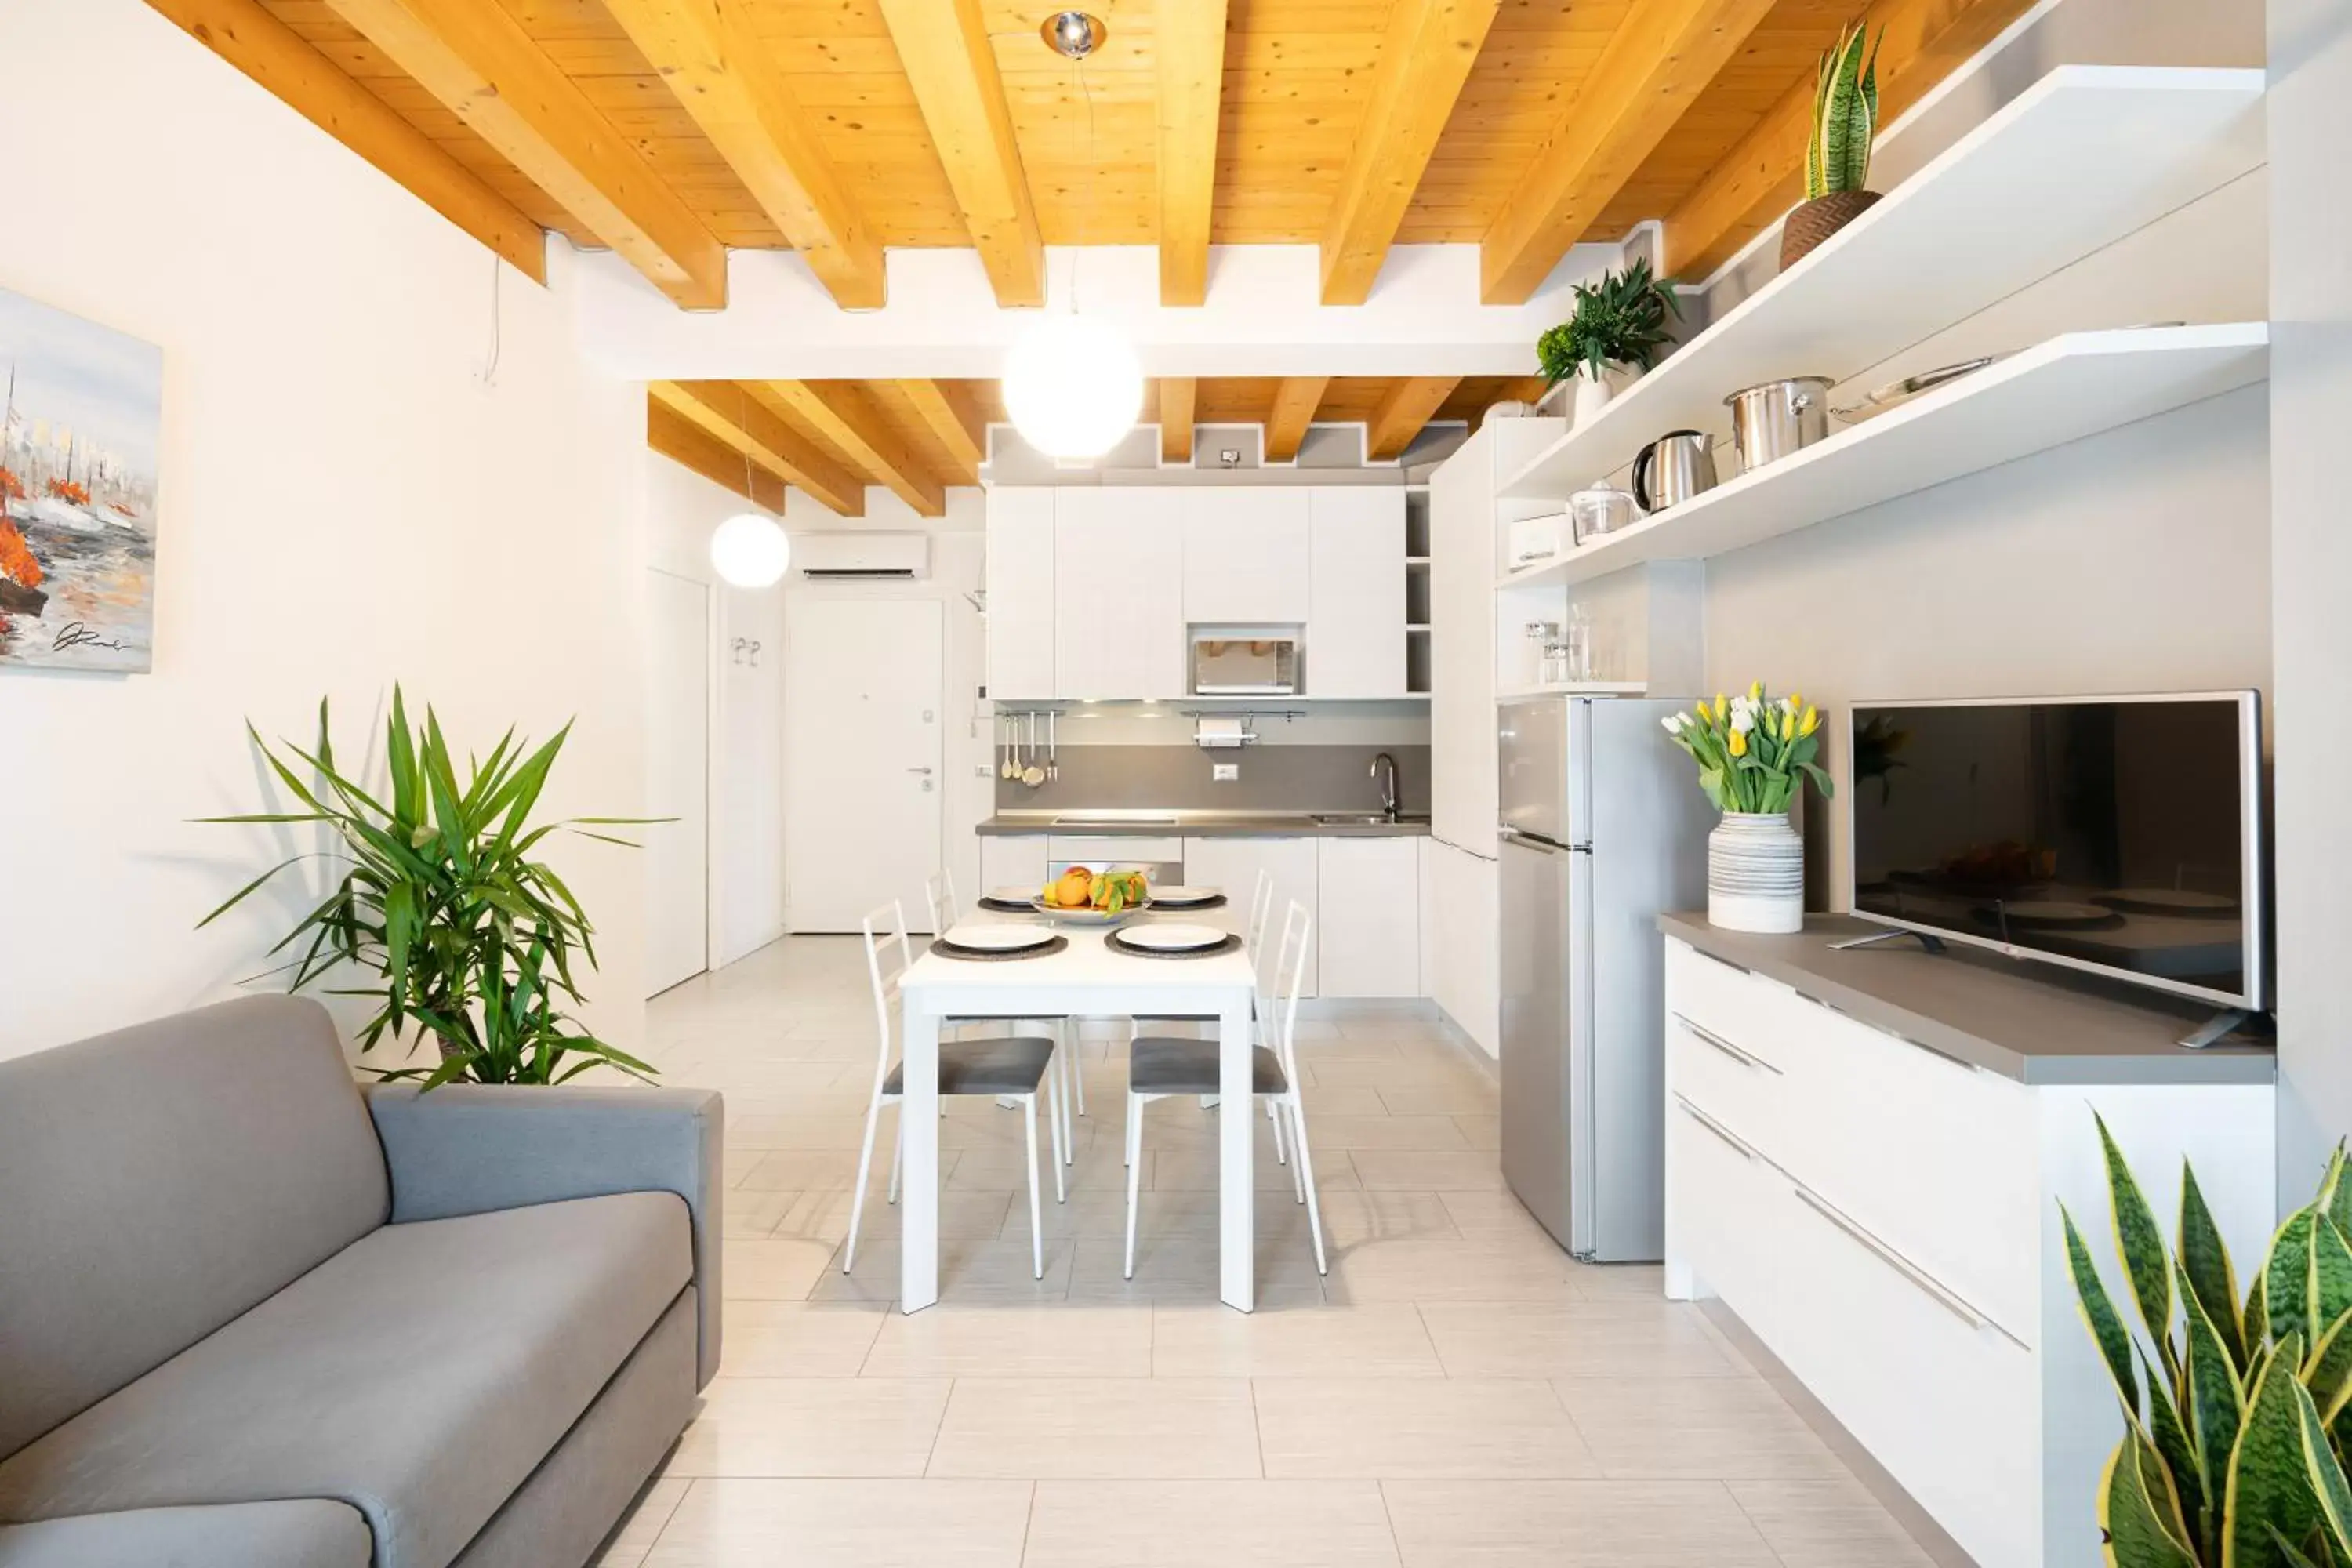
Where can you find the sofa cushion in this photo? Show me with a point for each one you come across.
(156, 1181)
(419, 1374)
(304, 1533)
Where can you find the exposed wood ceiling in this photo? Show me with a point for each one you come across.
(832, 439)
(667, 130)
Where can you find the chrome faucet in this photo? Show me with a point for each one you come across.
(1388, 782)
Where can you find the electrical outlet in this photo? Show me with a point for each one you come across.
(1225, 772)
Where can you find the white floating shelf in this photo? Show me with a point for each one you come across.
(1576, 689)
(2085, 157)
(2060, 390)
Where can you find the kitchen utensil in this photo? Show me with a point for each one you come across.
(1774, 419)
(1007, 734)
(996, 936)
(1603, 508)
(1053, 746)
(1673, 469)
(1172, 937)
(1894, 393)
(1033, 775)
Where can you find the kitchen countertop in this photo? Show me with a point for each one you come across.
(2032, 1022)
(1199, 824)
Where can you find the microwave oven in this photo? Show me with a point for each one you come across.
(1246, 661)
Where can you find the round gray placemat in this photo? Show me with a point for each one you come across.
(946, 948)
(1005, 907)
(1231, 944)
(1218, 902)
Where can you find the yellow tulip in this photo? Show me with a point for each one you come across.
(1755, 691)
(1796, 701)
(1738, 742)
(1722, 707)
(1813, 722)
(1787, 726)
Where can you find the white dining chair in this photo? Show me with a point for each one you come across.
(940, 898)
(1158, 1067)
(1261, 908)
(1003, 1065)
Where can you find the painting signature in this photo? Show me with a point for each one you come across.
(75, 634)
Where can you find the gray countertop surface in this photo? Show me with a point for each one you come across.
(2032, 1022)
(1198, 824)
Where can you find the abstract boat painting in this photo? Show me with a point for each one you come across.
(81, 421)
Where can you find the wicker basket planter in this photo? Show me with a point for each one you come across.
(1809, 223)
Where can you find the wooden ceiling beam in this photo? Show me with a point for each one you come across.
(726, 79)
(848, 415)
(684, 442)
(1921, 42)
(1662, 57)
(265, 49)
(478, 60)
(1188, 46)
(1179, 394)
(1295, 402)
(951, 65)
(953, 416)
(1425, 58)
(724, 409)
(1409, 406)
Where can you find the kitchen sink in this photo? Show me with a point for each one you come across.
(1360, 819)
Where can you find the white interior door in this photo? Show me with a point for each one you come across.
(677, 780)
(862, 757)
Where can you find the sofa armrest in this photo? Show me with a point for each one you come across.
(472, 1148)
(292, 1532)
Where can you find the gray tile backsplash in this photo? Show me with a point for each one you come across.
(1177, 778)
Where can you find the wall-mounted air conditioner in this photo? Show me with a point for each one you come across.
(862, 557)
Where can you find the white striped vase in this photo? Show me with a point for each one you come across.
(1756, 873)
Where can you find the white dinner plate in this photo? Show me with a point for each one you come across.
(1175, 897)
(1014, 895)
(995, 937)
(1172, 937)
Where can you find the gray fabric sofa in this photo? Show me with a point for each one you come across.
(255, 1316)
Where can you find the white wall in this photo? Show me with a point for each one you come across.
(747, 761)
(345, 503)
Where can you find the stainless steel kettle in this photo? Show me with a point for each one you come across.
(1673, 469)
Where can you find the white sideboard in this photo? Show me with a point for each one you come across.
(1883, 1212)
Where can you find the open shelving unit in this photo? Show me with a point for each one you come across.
(2085, 157)
(1417, 606)
(2060, 391)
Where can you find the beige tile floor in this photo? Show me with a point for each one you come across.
(1457, 1394)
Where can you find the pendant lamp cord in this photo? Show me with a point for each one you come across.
(1086, 171)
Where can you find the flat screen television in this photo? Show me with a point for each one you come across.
(2119, 834)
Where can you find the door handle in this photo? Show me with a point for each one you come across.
(1744, 1059)
(919, 770)
(1738, 1144)
(1917, 1277)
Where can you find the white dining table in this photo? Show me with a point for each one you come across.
(1087, 979)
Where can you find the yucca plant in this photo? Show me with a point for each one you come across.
(1845, 116)
(471, 938)
(2234, 1426)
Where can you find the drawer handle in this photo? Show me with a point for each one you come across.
(1743, 1057)
(1739, 1145)
(1894, 1259)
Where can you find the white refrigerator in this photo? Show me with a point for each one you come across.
(1603, 828)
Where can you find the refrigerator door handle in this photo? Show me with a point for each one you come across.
(1585, 1161)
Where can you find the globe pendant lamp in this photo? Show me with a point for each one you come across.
(1073, 385)
(750, 550)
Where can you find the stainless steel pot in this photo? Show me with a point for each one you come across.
(1673, 469)
(1770, 421)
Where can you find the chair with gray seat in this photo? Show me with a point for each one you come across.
(251, 1314)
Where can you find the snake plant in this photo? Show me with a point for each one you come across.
(2234, 1409)
(1845, 116)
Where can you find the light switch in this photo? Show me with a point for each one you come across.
(1225, 772)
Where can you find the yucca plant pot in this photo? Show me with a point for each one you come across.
(1756, 874)
(1809, 223)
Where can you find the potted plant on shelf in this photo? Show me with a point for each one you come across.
(462, 930)
(1754, 755)
(2234, 1415)
(1837, 156)
(1618, 327)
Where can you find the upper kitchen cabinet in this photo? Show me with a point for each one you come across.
(1246, 555)
(1019, 593)
(1355, 592)
(1118, 593)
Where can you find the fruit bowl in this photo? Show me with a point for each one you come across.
(1086, 914)
(1081, 897)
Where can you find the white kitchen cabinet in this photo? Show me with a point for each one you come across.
(1355, 626)
(1368, 893)
(1462, 964)
(1246, 554)
(1118, 594)
(1019, 593)
(1231, 864)
(1884, 1216)
(1010, 861)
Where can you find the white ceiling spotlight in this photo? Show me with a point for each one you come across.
(750, 549)
(1072, 383)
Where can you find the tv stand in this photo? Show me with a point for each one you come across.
(2218, 1026)
(1896, 933)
